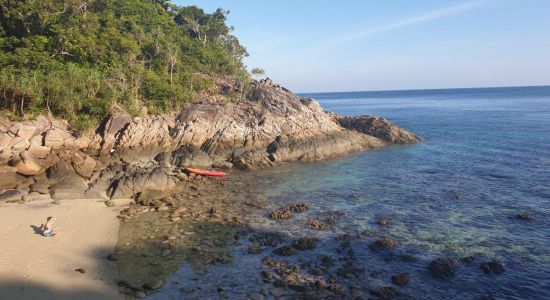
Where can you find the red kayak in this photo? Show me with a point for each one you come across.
(205, 173)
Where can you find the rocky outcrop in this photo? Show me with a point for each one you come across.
(272, 126)
(11, 196)
(9, 178)
(83, 164)
(25, 164)
(126, 154)
(378, 127)
(69, 187)
(155, 178)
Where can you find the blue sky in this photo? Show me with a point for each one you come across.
(317, 46)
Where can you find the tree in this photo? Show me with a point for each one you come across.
(257, 72)
(172, 60)
(80, 58)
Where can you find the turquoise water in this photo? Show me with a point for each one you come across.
(485, 158)
(489, 146)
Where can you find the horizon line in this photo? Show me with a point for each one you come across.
(427, 89)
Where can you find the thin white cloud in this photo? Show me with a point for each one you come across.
(440, 13)
(365, 32)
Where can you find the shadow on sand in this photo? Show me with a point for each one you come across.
(15, 290)
(37, 229)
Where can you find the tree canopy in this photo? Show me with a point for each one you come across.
(81, 59)
(257, 72)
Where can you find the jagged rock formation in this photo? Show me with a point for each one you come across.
(378, 127)
(129, 154)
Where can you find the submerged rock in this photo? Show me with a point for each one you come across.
(468, 259)
(279, 291)
(301, 207)
(139, 294)
(255, 203)
(327, 261)
(281, 214)
(349, 271)
(383, 243)
(408, 258)
(274, 263)
(254, 249)
(524, 216)
(304, 243)
(256, 296)
(112, 257)
(285, 251)
(346, 237)
(400, 279)
(166, 252)
(386, 292)
(267, 276)
(485, 297)
(153, 284)
(492, 266)
(286, 211)
(270, 239)
(317, 272)
(383, 221)
(236, 221)
(443, 268)
(317, 225)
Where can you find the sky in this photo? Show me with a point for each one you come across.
(364, 45)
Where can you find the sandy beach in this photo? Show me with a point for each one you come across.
(35, 267)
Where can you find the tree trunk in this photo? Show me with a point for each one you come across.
(48, 107)
(171, 73)
(22, 105)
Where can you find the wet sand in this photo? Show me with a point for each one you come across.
(35, 267)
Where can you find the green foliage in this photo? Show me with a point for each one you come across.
(258, 72)
(81, 60)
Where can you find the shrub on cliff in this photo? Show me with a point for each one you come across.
(80, 59)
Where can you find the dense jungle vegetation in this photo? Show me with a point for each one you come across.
(82, 59)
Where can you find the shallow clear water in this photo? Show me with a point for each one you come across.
(484, 159)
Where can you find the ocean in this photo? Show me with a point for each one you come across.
(484, 159)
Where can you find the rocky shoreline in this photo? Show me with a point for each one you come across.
(177, 216)
(126, 155)
(188, 242)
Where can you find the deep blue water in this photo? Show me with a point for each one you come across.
(485, 158)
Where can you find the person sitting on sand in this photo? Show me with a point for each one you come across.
(49, 229)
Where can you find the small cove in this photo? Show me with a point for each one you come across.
(456, 194)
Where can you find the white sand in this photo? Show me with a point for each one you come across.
(35, 267)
